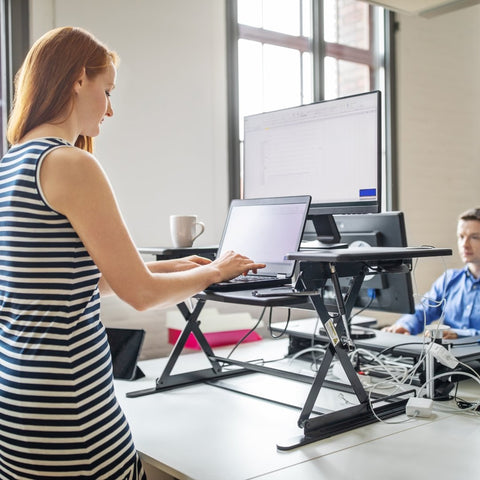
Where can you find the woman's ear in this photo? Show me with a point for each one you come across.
(80, 81)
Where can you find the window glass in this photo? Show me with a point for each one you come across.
(345, 78)
(282, 74)
(249, 12)
(307, 18)
(347, 22)
(275, 61)
(283, 16)
(250, 78)
(270, 78)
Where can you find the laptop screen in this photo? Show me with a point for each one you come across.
(265, 230)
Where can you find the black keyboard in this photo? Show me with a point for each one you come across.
(248, 282)
(249, 278)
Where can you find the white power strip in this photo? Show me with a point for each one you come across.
(419, 407)
(443, 355)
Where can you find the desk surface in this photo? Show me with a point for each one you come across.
(442, 449)
(207, 433)
(465, 349)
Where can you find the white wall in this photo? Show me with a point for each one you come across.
(438, 81)
(165, 149)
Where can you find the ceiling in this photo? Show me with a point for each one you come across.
(424, 8)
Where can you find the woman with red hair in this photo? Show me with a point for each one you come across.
(63, 242)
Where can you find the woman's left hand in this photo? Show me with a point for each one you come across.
(192, 261)
(178, 264)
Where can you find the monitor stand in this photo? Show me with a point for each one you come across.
(327, 232)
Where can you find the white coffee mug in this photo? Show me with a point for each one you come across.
(184, 229)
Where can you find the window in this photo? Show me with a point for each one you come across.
(284, 53)
(352, 62)
(3, 79)
(14, 43)
(274, 54)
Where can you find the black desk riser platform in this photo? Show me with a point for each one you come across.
(315, 269)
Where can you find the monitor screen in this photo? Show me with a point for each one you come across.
(389, 292)
(330, 150)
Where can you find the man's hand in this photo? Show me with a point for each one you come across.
(396, 329)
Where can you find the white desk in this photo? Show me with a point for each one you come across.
(443, 449)
(203, 432)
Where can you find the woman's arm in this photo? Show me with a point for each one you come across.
(75, 185)
(162, 266)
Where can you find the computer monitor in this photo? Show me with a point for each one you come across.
(330, 150)
(389, 292)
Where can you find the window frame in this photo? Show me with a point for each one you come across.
(14, 45)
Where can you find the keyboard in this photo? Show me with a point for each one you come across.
(247, 282)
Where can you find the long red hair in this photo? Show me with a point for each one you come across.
(44, 84)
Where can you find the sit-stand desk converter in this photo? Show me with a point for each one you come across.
(315, 269)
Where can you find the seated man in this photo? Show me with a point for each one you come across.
(456, 294)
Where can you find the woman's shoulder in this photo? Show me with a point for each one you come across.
(69, 175)
(71, 166)
(67, 156)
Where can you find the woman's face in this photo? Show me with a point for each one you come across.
(93, 101)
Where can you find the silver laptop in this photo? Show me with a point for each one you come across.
(265, 230)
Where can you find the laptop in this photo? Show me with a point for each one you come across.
(265, 230)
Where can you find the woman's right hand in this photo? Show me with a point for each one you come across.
(232, 264)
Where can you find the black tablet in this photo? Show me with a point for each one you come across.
(125, 346)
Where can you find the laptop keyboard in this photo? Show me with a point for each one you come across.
(249, 278)
(247, 282)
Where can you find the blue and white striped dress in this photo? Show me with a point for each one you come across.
(59, 417)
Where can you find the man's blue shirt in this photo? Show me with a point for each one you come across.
(461, 308)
